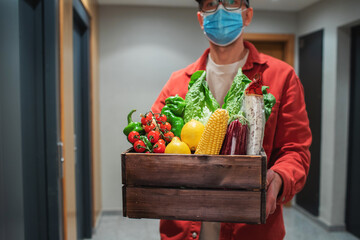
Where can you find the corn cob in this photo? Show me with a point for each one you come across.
(212, 138)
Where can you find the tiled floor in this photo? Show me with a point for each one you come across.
(298, 227)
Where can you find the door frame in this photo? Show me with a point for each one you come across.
(287, 39)
(46, 177)
(31, 148)
(52, 118)
(82, 19)
(351, 154)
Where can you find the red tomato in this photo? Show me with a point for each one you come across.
(169, 136)
(147, 119)
(139, 146)
(157, 115)
(143, 121)
(165, 127)
(161, 141)
(133, 137)
(161, 118)
(159, 147)
(149, 116)
(149, 128)
(153, 136)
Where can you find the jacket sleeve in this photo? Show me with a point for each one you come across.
(177, 84)
(293, 138)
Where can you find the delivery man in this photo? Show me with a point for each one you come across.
(287, 134)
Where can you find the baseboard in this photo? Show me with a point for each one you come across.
(112, 212)
(97, 223)
(317, 220)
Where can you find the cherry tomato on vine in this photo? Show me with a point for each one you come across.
(169, 136)
(143, 121)
(159, 147)
(161, 141)
(149, 128)
(133, 137)
(161, 118)
(147, 119)
(139, 146)
(165, 127)
(153, 136)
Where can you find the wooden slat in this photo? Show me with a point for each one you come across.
(123, 168)
(124, 200)
(193, 171)
(192, 204)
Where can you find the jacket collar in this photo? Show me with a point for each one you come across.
(253, 58)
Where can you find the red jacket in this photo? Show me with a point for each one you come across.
(286, 142)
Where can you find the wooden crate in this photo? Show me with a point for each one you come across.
(215, 188)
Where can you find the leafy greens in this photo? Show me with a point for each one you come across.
(200, 103)
(234, 98)
(269, 101)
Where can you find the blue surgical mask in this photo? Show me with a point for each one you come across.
(223, 27)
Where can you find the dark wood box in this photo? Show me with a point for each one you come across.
(215, 188)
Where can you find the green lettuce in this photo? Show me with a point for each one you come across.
(200, 103)
(234, 98)
(269, 101)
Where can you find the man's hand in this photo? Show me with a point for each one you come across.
(273, 186)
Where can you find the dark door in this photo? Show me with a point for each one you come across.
(40, 119)
(11, 184)
(311, 62)
(353, 191)
(82, 121)
(31, 95)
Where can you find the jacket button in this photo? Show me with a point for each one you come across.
(194, 235)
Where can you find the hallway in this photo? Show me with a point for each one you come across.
(72, 70)
(298, 227)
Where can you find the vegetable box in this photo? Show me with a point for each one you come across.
(215, 188)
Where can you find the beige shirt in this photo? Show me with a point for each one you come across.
(219, 78)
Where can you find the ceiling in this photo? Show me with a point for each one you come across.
(281, 5)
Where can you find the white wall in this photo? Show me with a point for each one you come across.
(273, 22)
(139, 49)
(334, 17)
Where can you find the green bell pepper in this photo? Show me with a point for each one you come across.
(176, 105)
(176, 122)
(133, 126)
